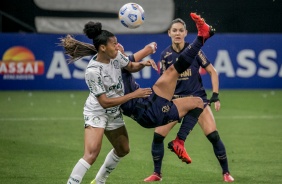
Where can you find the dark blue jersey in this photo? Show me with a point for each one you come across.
(129, 86)
(190, 81)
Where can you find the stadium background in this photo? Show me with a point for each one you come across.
(41, 134)
(246, 50)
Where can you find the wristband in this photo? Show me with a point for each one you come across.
(131, 58)
(215, 95)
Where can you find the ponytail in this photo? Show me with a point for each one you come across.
(76, 49)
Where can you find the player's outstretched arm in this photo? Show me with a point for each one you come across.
(137, 66)
(215, 87)
(106, 102)
(146, 51)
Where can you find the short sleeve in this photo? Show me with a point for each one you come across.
(94, 81)
(123, 60)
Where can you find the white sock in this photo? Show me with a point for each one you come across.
(108, 166)
(78, 172)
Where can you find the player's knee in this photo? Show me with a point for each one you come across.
(213, 137)
(90, 157)
(123, 151)
(199, 102)
(158, 138)
(181, 64)
(170, 69)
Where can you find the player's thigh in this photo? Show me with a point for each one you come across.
(187, 103)
(119, 139)
(207, 121)
(92, 143)
(94, 132)
(166, 83)
(165, 129)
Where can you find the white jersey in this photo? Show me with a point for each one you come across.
(104, 79)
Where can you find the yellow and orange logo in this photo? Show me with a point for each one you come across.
(20, 60)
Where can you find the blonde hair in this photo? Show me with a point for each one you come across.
(75, 49)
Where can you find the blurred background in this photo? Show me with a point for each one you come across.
(246, 51)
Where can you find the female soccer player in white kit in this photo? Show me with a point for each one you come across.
(102, 108)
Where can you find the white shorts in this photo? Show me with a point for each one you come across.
(104, 121)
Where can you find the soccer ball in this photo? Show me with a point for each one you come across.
(131, 15)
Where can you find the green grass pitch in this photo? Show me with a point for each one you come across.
(41, 139)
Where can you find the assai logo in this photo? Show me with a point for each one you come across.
(18, 63)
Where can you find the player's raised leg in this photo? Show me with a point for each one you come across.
(204, 30)
(184, 61)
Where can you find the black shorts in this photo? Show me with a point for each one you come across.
(155, 111)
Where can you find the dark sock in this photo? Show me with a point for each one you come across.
(187, 57)
(192, 50)
(158, 152)
(188, 123)
(219, 150)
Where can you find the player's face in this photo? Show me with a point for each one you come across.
(112, 47)
(177, 32)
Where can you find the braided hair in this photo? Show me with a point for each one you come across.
(76, 49)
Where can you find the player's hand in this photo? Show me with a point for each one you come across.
(217, 105)
(149, 62)
(153, 46)
(120, 48)
(142, 92)
(214, 99)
